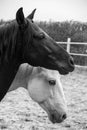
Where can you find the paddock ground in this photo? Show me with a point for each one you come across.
(19, 112)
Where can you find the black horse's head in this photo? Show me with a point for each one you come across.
(39, 49)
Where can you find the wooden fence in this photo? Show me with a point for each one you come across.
(68, 45)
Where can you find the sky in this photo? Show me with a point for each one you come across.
(54, 10)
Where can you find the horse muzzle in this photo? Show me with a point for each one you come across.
(64, 68)
(56, 117)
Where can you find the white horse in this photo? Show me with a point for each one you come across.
(45, 88)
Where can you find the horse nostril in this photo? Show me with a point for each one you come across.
(64, 116)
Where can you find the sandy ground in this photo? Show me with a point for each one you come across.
(19, 112)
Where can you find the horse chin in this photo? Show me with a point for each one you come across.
(54, 117)
(63, 68)
(60, 68)
(63, 71)
(53, 120)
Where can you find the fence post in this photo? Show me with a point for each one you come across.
(68, 44)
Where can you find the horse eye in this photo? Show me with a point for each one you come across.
(39, 35)
(52, 82)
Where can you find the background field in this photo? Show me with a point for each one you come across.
(19, 112)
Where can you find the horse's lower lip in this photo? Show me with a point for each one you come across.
(72, 68)
(63, 71)
(55, 121)
(66, 71)
(52, 120)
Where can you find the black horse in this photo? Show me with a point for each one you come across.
(22, 41)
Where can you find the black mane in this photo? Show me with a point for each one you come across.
(11, 40)
(8, 33)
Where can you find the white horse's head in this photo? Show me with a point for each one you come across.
(45, 88)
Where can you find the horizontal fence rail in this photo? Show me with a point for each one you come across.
(73, 43)
(68, 46)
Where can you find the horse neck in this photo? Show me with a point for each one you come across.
(22, 77)
(7, 74)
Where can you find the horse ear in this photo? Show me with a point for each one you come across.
(31, 16)
(20, 16)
